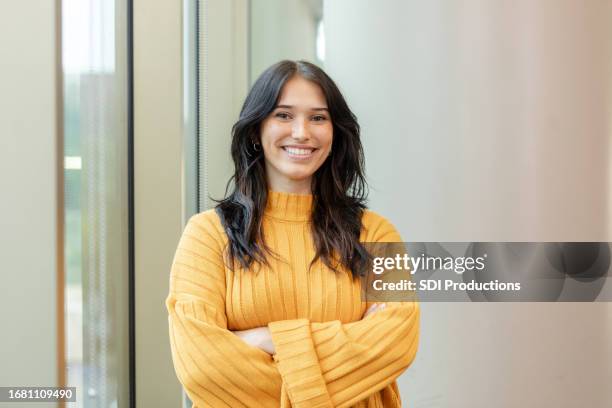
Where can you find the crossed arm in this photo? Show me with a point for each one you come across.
(261, 337)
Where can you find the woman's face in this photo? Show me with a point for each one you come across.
(296, 137)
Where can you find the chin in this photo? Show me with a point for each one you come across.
(298, 176)
(295, 174)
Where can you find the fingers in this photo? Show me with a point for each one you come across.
(375, 307)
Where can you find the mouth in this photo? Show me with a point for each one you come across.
(300, 153)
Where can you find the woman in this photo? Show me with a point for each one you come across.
(265, 303)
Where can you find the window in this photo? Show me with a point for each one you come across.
(94, 55)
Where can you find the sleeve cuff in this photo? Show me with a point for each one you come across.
(298, 363)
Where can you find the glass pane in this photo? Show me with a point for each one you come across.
(96, 206)
(285, 29)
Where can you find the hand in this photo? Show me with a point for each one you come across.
(259, 337)
(375, 307)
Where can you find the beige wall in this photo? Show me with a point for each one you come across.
(223, 86)
(158, 197)
(28, 209)
(161, 178)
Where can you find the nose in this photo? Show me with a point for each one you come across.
(299, 130)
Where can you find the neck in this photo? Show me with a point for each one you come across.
(290, 186)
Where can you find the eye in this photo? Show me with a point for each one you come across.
(282, 115)
(319, 118)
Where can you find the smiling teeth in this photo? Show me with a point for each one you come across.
(302, 152)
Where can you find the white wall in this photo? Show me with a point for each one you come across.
(500, 110)
(28, 158)
(488, 121)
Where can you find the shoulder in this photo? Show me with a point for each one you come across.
(205, 227)
(208, 219)
(376, 228)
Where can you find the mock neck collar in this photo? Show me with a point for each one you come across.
(289, 206)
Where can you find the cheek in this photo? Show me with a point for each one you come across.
(271, 133)
(325, 135)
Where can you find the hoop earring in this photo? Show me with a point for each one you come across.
(256, 147)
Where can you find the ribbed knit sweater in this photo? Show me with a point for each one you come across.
(326, 354)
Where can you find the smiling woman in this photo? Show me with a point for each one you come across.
(265, 298)
(296, 137)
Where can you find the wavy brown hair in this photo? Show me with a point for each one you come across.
(339, 187)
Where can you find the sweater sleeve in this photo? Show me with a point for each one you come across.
(335, 364)
(215, 367)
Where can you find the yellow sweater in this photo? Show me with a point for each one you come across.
(326, 354)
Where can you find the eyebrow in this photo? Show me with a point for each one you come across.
(291, 107)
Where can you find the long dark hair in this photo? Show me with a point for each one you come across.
(339, 187)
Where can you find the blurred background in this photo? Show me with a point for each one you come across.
(481, 121)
